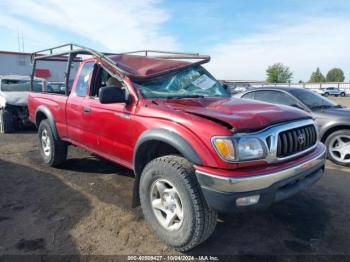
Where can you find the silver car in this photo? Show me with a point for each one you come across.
(330, 91)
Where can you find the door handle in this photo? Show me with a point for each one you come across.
(87, 109)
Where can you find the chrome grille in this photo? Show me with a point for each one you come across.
(296, 140)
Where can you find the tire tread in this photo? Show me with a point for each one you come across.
(205, 216)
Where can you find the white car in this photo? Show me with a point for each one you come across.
(14, 92)
(330, 91)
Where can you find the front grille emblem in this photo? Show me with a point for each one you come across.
(301, 139)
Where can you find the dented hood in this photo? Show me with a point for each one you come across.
(241, 114)
(14, 98)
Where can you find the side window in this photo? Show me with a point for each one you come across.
(284, 99)
(249, 95)
(264, 96)
(84, 77)
(275, 97)
(103, 78)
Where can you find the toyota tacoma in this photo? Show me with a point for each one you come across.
(194, 150)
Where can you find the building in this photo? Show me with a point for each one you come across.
(18, 63)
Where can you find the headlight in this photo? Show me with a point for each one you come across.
(250, 148)
(243, 148)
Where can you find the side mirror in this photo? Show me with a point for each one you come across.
(112, 94)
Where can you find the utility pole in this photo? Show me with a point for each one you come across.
(18, 41)
(22, 42)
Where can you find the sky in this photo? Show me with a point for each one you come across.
(243, 37)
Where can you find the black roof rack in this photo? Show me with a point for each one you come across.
(60, 53)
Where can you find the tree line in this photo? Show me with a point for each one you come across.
(279, 73)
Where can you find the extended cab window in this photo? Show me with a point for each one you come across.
(275, 97)
(84, 79)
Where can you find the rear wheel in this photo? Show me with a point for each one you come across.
(53, 150)
(6, 121)
(338, 147)
(173, 203)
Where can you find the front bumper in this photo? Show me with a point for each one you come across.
(222, 193)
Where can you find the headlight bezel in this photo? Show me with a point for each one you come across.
(236, 146)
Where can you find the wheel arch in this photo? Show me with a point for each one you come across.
(155, 143)
(333, 129)
(42, 112)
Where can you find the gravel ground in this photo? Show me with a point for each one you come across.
(345, 101)
(84, 208)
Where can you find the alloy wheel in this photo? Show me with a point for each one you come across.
(166, 204)
(45, 143)
(339, 148)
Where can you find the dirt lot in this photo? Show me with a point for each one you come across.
(84, 208)
(345, 101)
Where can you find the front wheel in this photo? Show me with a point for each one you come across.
(173, 203)
(53, 150)
(342, 94)
(338, 147)
(326, 94)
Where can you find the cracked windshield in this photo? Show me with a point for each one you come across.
(188, 83)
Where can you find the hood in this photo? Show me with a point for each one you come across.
(336, 112)
(241, 114)
(15, 98)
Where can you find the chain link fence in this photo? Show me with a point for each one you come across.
(237, 85)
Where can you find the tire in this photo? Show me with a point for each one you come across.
(326, 94)
(339, 154)
(198, 219)
(53, 150)
(6, 122)
(342, 94)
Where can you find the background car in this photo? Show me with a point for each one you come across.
(330, 91)
(56, 87)
(333, 119)
(14, 91)
(240, 89)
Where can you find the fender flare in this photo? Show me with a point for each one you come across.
(171, 138)
(165, 136)
(49, 117)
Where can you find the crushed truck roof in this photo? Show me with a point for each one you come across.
(145, 66)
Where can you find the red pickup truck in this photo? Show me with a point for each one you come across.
(195, 151)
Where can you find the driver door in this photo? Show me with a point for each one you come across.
(109, 126)
(77, 105)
